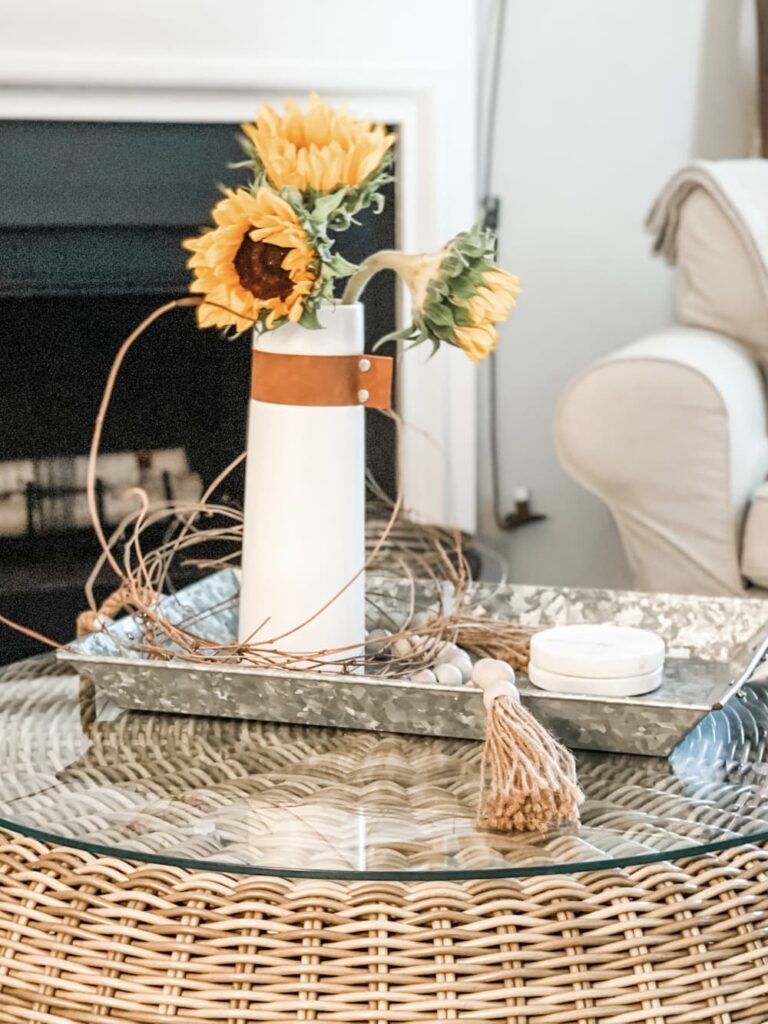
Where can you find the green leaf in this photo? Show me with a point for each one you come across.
(340, 221)
(326, 205)
(463, 288)
(309, 318)
(340, 267)
(292, 196)
(409, 333)
(461, 316)
(440, 313)
(442, 331)
(453, 265)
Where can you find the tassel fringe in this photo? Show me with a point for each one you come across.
(530, 777)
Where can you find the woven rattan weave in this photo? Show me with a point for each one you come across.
(157, 869)
(94, 939)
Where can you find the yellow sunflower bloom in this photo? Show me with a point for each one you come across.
(477, 342)
(320, 148)
(492, 303)
(257, 262)
(458, 294)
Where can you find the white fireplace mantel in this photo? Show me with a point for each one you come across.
(409, 63)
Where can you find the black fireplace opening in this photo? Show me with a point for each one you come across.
(91, 220)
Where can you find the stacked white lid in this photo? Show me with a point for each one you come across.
(599, 660)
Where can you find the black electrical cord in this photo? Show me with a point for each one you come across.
(492, 105)
(490, 207)
(490, 215)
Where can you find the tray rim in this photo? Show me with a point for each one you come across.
(75, 657)
(738, 665)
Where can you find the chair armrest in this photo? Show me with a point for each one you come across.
(671, 433)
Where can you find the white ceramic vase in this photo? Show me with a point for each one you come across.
(304, 526)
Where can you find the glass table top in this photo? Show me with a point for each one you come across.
(223, 794)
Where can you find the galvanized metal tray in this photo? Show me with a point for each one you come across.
(714, 646)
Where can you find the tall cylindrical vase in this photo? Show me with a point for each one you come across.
(304, 524)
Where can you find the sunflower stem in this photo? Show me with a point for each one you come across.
(386, 259)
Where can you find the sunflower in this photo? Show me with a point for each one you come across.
(459, 293)
(320, 150)
(492, 303)
(258, 262)
(466, 295)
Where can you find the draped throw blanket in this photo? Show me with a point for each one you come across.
(738, 187)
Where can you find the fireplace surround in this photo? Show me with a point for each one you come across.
(89, 246)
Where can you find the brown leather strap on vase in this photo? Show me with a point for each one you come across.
(284, 379)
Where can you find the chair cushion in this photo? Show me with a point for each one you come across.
(754, 549)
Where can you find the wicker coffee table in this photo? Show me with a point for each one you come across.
(157, 868)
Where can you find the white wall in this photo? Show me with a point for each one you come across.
(600, 102)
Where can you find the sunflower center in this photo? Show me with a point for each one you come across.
(259, 266)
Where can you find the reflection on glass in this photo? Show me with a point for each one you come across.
(277, 799)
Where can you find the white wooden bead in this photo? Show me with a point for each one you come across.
(464, 663)
(488, 670)
(425, 676)
(377, 641)
(446, 650)
(421, 619)
(499, 688)
(448, 674)
(402, 647)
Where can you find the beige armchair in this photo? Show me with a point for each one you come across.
(671, 431)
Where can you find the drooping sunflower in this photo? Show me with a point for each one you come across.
(491, 304)
(257, 265)
(466, 295)
(459, 293)
(320, 150)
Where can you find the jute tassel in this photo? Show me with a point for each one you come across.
(529, 782)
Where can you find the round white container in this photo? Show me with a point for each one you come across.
(597, 651)
(624, 686)
(304, 528)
